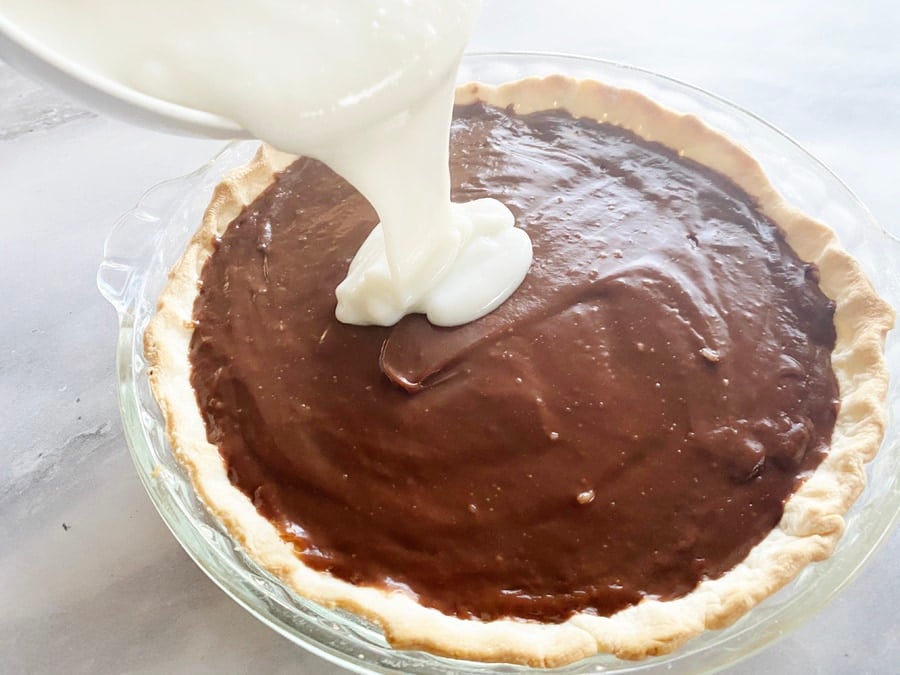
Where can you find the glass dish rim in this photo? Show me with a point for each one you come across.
(117, 277)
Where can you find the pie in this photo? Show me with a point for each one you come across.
(658, 430)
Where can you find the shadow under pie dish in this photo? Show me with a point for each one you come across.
(659, 266)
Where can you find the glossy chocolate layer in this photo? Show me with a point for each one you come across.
(628, 423)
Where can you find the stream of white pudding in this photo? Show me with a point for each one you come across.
(364, 86)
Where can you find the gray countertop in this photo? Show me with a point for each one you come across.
(90, 579)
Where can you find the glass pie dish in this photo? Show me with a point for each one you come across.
(147, 241)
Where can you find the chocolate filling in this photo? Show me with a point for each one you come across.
(629, 423)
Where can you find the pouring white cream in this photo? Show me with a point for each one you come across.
(366, 87)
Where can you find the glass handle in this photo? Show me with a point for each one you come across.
(129, 247)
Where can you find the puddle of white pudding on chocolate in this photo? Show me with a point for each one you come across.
(367, 88)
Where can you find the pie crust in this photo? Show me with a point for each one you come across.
(813, 516)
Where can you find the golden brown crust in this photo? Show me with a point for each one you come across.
(813, 518)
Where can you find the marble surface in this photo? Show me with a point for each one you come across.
(90, 579)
